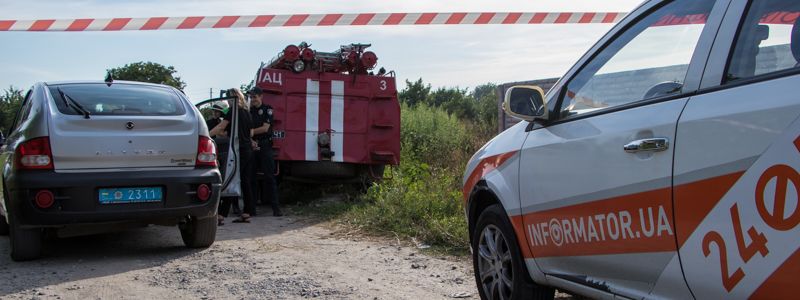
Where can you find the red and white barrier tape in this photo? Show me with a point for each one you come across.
(202, 22)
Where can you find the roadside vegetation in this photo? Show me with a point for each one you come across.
(422, 202)
(10, 100)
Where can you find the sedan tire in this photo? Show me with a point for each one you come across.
(26, 244)
(500, 271)
(199, 233)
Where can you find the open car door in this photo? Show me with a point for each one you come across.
(228, 152)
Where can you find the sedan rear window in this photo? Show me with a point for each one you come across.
(117, 99)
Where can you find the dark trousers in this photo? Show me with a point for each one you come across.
(246, 179)
(266, 164)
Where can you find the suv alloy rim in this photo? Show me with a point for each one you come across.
(494, 264)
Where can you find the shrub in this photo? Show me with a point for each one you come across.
(423, 199)
(432, 136)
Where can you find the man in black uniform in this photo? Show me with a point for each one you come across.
(262, 116)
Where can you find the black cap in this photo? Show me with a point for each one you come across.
(255, 91)
(217, 107)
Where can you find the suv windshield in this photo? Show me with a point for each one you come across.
(118, 99)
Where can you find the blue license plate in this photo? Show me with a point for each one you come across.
(131, 195)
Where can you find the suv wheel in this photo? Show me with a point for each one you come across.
(26, 244)
(199, 233)
(500, 271)
(3, 225)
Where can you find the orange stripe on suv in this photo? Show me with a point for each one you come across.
(485, 166)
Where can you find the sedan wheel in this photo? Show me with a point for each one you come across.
(494, 264)
(500, 271)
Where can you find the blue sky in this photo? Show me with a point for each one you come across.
(464, 55)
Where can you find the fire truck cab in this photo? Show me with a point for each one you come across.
(334, 120)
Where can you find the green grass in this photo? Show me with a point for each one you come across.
(422, 202)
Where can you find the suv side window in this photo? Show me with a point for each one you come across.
(650, 59)
(768, 40)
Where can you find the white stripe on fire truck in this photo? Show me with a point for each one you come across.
(337, 120)
(312, 119)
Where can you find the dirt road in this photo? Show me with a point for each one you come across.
(287, 257)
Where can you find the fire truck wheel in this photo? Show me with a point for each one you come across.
(499, 267)
(363, 187)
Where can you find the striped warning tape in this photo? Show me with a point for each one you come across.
(201, 22)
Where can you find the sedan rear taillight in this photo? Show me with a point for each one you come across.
(206, 153)
(35, 154)
(203, 192)
(44, 199)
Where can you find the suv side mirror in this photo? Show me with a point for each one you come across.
(525, 102)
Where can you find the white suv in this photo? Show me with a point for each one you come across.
(664, 164)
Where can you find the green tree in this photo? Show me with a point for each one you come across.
(246, 87)
(148, 72)
(455, 101)
(415, 92)
(485, 90)
(10, 101)
(488, 105)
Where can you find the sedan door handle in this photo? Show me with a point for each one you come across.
(652, 145)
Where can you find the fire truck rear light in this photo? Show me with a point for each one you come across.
(35, 154)
(203, 192)
(206, 153)
(44, 199)
(307, 54)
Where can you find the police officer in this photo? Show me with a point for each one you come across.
(262, 115)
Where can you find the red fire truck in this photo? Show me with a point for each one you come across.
(336, 119)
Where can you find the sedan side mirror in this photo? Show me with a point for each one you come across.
(525, 102)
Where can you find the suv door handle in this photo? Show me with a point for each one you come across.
(651, 144)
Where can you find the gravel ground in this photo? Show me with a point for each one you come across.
(284, 258)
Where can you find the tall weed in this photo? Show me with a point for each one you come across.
(423, 200)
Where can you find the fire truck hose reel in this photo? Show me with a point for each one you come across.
(369, 59)
(291, 53)
(307, 55)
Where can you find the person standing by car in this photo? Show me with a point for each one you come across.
(246, 145)
(216, 117)
(262, 116)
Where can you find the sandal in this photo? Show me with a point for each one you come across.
(244, 218)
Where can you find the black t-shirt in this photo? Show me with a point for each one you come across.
(245, 124)
(213, 122)
(262, 114)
